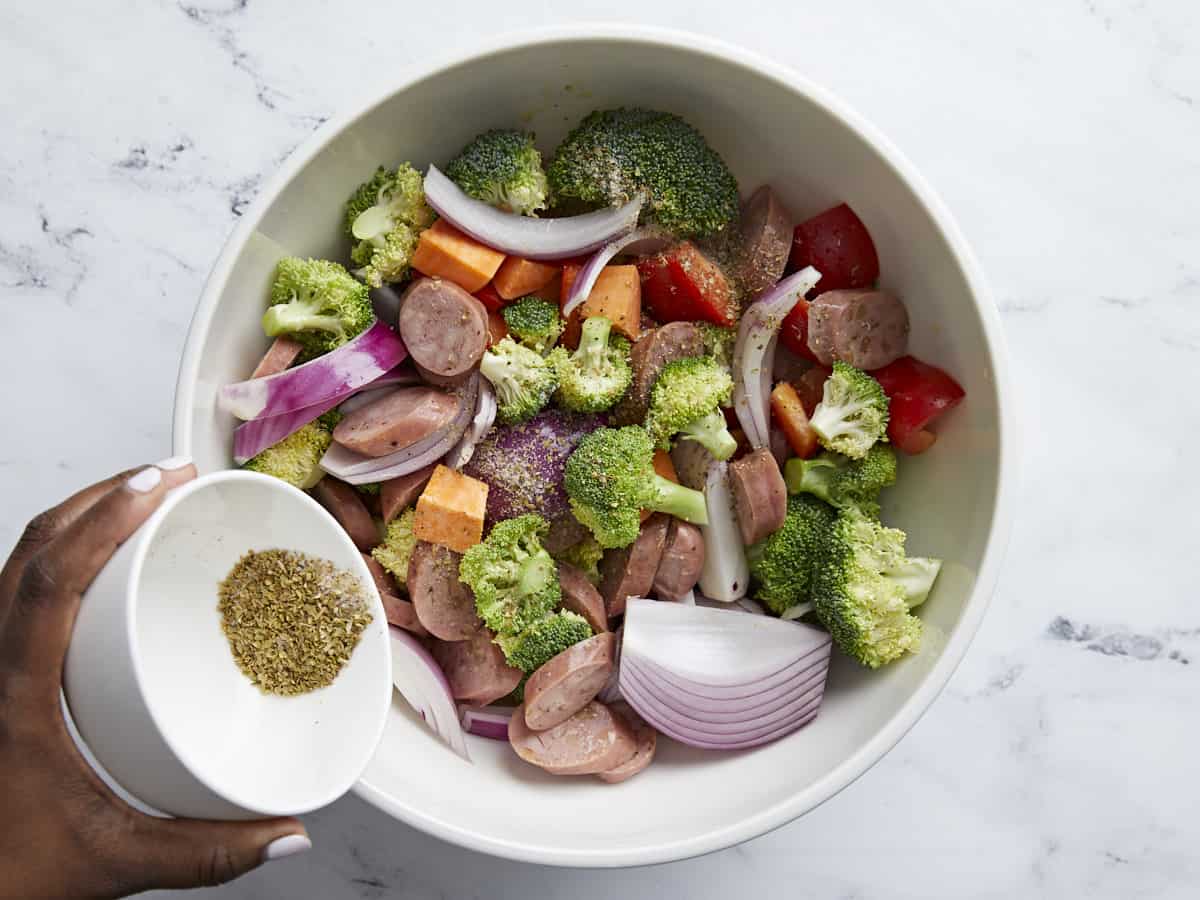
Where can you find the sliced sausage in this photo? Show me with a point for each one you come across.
(649, 356)
(681, 563)
(759, 495)
(476, 668)
(647, 742)
(778, 442)
(593, 740)
(788, 366)
(396, 420)
(581, 597)
(279, 356)
(397, 494)
(629, 571)
(445, 381)
(872, 331)
(444, 327)
(384, 582)
(402, 614)
(824, 316)
(569, 681)
(444, 604)
(767, 229)
(345, 504)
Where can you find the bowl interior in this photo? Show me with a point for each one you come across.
(266, 753)
(768, 130)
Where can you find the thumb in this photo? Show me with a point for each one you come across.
(186, 853)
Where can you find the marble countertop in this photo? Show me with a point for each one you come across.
(1065, 140)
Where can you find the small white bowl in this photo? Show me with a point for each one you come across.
(152, 684)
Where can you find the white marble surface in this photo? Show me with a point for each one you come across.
(1065, 139)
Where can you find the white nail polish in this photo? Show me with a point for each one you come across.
(145, 481)
(175, 462)
(289, 845)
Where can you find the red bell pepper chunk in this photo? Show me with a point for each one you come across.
(793, 333)
(489, 298)
(837, 244)
(681, 284)
(917, 393)
(810, 387)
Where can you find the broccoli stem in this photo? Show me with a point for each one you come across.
(593, 343)
(711, 432)
(534, 572)
(284, 318)
(677, 500)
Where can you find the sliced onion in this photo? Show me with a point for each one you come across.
(726, 572)
(754, 353)
(485, 417)
(486, 721)
(524, 236)
(640, 240)
(336, 374)
(420, 681)
(688, 599)
(751, 606)
(715, 679)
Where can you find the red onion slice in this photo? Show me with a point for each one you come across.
(489, 722)
(485, 417)
(253, 437)
(755, 700)
(639, 241)
(524, 236)
(420, 681)
(726, 572)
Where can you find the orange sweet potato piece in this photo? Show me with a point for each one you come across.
(793, 420)
(445, 252)
(518, 277)
(617, 295)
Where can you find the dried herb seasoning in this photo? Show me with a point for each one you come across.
(292, 620)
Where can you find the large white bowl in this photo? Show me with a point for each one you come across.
(955, 501)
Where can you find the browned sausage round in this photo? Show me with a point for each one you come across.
(397, 419)
(397, 494)
(476, 668)
(580, 596)
(443, 327)
(649, 356)
(766, 240)
(647, 739)
(400, 612)
(384, 582)
(566, 683)
(443, 603)
(345, 504)
(279, 356)
(824, 316)
(593, 740)
(682, 560)
(629, 571)
(445, 381)
(872, 331)
(759, 495)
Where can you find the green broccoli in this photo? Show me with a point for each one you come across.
(610, 478)
(397, 547)
(687, 400)
(297, 458)
(585, 556)
(385, 216)
(614, 155)
(371, 489)
(718, 343)
(853, 412)
(781, 565)
(318, 303)
(864, 586)
(502, 168)
(524, 380)
(513, 577)
(534, 322)
(597, 374)
(544, 640)
(844, 482)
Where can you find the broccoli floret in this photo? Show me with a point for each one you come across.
(853, 412)
(781, 565)
(610, 478)
(369, 490)
(597, 374)
(585, 556)
(614, 155)
(502, 168)
(397, 547)
(524, 380)
(844, 482)
(534, 322)
(864, 586)
(687, 400)
(318, 303)
(297, 458)
(385, 216)
(718, 343)
(513, 577)
(544, 640)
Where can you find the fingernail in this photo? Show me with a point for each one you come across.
(145, 481)
(174, 462)
(289, 845)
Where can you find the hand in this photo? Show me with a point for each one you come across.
(63, 833)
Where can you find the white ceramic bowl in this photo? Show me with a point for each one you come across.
(153, 687)
(770, 125)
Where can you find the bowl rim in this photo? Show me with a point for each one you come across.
(146, 537)
(934, 681)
